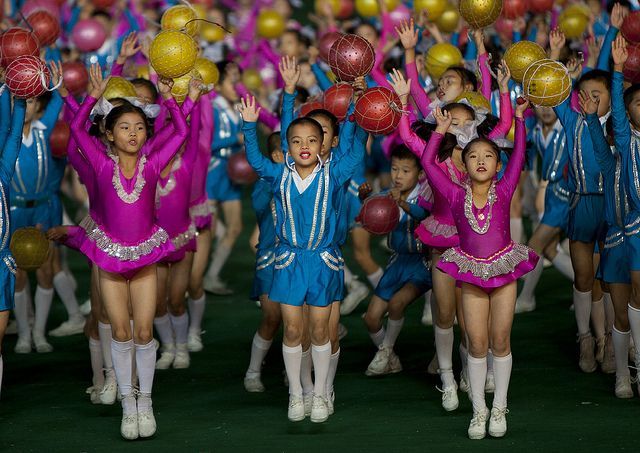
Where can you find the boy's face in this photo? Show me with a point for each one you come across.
(634, 110)
(33, 110)
(329, 138)
(545, 115)
(599, 92)
(305, 145)
(289, 45)
(405, 174)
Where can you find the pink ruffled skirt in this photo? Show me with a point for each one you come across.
(436, 234)
(200, 212)
(183, 243)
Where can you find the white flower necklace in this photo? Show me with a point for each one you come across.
(132, 197)
(468, 208)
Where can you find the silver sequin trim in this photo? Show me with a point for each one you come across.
(613, 240)
(287, 262)
(436, 228)
(200, 210)
(265, 261)
(505, 261)
(183, 239)
(468, 208)
(336, 264)
(132, 197)
(11, 264)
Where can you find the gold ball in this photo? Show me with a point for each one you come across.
(176, 17)
(546, 83)
(434, 8)
(370, 8)
(336, 6)
(573, 22)
(477, 100)
(449, 19)
(180, 88)
(270, 24)
(211, 32)
(172, 53)
(440, 57)
(480, 13)
(117, 87)
(520, 55)
(251, 79)
(208, 71)
(29, 247)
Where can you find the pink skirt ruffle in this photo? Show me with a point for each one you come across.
(183, 243)
(504, 267)
(435, 234)
(200, 212)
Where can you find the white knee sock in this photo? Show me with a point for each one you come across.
(393, 330)
(21, 311)
(598, 317)
(333, 367)
(306, 379)
(444, 350)
(104, 332)
(378, 337)
(180, 326)
(146, 366)
(502, 375)
(321, 355)
(609, 313)
(348, 276)
(220, 256)
(163, 326)
(464, 355)
(43, 300)
(259, 349)
(477, 377)
(64, 287)
(531, 281)
(582, 305)
(515, 223)
(221, 228)
(621, 351)
(562, 262)
(634, 322)
(292, 357)
(121, 355)
(196, 313)
(95, 350)
(374, 278)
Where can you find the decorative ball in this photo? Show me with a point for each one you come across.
(512, 9)
(251, 79)
(520, 55)
(88, 35)
(480, 13)
(117, 87)
(76, 77)
(632, 66)
(631, 27)
(378, 110)
(370, 8)
(335, 6)
(379, 214)
(180, 88)
(546, 83)
(434, 8)
(346, 9)
(573, 21)
(208, 72)
(211, 32)
(240, 171)
(103, 4)
(477, 100)
(29, 247)
(540, 6)
(16, 42)
(449, 19)
(59, 139)
(326, 42)
(45, 26)
(27, 77)
(310, 106)
(351, 56)
(176, 18)
(172, 53)
(337, 99)
(440, 57)
(270, 24)
(400, 15)
(50, 6)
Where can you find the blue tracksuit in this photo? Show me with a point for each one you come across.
(264, 207)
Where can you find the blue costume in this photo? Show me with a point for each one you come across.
(408, 263)
(264, 207)
(614, 260)
(10, 134)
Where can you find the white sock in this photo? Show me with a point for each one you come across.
(163, 326)
(515, 223)
(582, 305)
(374, 278)
(104, 332)
(321, 355)
(489, 361)
(95, 351)
(464, 354)
(21, 312)
(598, 317)
(180, 326)
(444, 350)
(609, 313)
(377, 337)
(393, 330)
(292, 357)
(634, 322)
(531, 281)
(333, 367)
(562, 262)
(64, 287)
(196, 313)
(621, 351)
(121, 355)
(502, 374)
(220, 256)
(259, 349)
(306, 380)
(146, 366)
(348, 276)
(221, 229)
(477, 377)
(43, 300)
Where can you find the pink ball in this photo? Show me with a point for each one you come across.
(50, 6)
(400, 14)
(88, 35)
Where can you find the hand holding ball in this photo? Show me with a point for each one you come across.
(379, 214)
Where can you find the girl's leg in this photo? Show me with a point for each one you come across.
(43, 300)
(373, 320)
(162, 321)
(271, 319)
(110, 388)
(582, 260)
(233, 219)
(620, 336)
(362, 253)
(321, 355)
(292, 355)
(4, 320)
(178, 284)
(22, 301)
(306, 362)
(334, 323)
(196, 300)
(97, 363)
(633, 312)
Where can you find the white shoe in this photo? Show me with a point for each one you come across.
(23, 346)
(85, 308)
(478, 425)
(608, 364)
(623, 387)
(490, 383)
(110, 390)
(41, 344)
(166, 357)
(94, 394)
(380, 363)
(73, 326)
(498, 422)
(394, 363)
(450, 398)
(129, 424)
(295, 412)
(342, 331)
(182, 359)
(216, 286)
(195, 341)
(319, 409)
(330, 402)
(358, 292)
(307, 399)
(427, 316)
(587, 360)
(525, 305)
(253, 384)
(146, 420)
(433, 366)
(464, 381)
(600, 345)
(12, 328)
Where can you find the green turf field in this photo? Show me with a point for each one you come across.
(553, 405)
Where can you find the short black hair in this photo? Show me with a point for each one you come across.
(629, 93)
(127, 107)
(302, 39)
(141, 81)
(466, 76)
(101, 13)
(329, 116)
(43, 100)
(402, 152)
(305, 121)
(223, 69)
(598, 75)
(273, 144)
(467, 149)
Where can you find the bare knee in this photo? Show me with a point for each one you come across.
(319, 333)
(500, 345)
(121, 333)
(143, 335)
(584, 281)
(372, 322)
(293, 333)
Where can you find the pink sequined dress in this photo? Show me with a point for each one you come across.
(199, 207)
(486, 256)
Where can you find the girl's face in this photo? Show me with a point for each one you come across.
(482, 162)
(367, 32)
(305, 145)
(129, 133)
(144, 93)
(32, 111)
(329, 139)
(450, 86)
(459, 117)
(307, 79)
(289, 45)
(227, 89)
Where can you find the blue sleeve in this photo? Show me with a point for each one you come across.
(266, 169)
(517, 37)
(417, 212)
(5, 115)
(567, 117)
(533, 34)
(52, 53)
(455, 38)
(51, 112)
(344, 168)
(218, 142)
(14, 139)
(347, 132)
(321, 77)
(605, 50)
(133, 23)
(286, 118)
(471, 52)
(73, 20)
(605, 159)
(621, 127)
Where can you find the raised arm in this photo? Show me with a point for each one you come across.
(516, 161)
(409, 38)
(263, 166)
(290, 74)
(402, 88)
(344, 168)
(5, 115)
(347, 134)
(51, 112)
(438, 180)
(323, 80)
(267, 118)
(12, 144)
(164, 152)
(81, 136)
(621, 126)
(601, 148)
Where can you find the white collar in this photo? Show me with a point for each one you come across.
(546, 140)
(603, 119)
(37, 124)
(303, 184)
(411, 198)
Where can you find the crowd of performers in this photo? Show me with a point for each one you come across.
(150, 177)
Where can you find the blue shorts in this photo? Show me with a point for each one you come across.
(314, 277)
(402, 269)
(376, 161)
(586, 222)
(264, 273)
(55, 210)
(632, 239)
(29, 217)
(614, 258)
(219, 186)
(556, 206)
(7, 280)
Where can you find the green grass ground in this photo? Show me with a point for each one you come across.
(553, 405)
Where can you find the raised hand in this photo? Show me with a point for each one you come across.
(56, 78)
(574, 66)
(443, 120)
(522, 104)
(364, 190)
(408, 34)
(359, 86)
(619, 52)
(618, 14)
(588, 105)
(248, 109)
(557, 40)
(400, 85)
(195, 88)
(290, 72)
(130, 46)
(97, 84)
(504, 74)
(593, 47)
(164, 87)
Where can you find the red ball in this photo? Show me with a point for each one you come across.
(351, 56)
(45, 27)
(632, 66)
(512, 9)
(27, 77)
(504, 26)
(337, 99)
(346, 9)
(103, 4)
(326, 42)
(379, 214)
(378, 110)
(540, 6)
(310, 106)
(59, 139)
(240, 171)
(50, 6)
(631, 27)
(76, 77)
(16, 42)
(88, 35)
